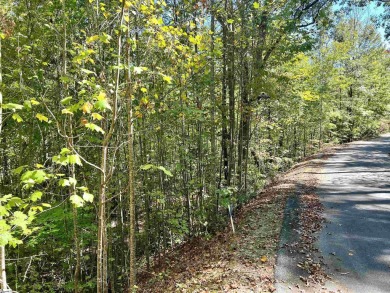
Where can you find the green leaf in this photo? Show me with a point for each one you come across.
(15, 201)
(65, 79)
(72, 181)
(32, 177)
(256, 5)
(12, 106)
(75, 159)
(36, 195)
(66, 101)
(64, 151)
(230, 21)
(146, 167)
(167, 172)
(87, 71)
(102, 105)
(19, 170)
(66, 111)
(46, 205)
(39, 176)
(5, 234)
(76, 200)
(102, 102)
(64, 182)
(19, 219)
(105, 38)
(62, 160)
(3, 211)
(5, 198)
(14, 242)
(94, 127)
(88, 196)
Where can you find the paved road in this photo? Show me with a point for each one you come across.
(355, 242)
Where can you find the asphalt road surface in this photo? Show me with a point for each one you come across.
(355, 242)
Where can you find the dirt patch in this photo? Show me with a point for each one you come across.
(245, 261)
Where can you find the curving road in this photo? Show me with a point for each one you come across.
(355, 242)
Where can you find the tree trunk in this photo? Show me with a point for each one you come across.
(230, 84)
(225, 134)
(2, 248)
(213, 163)
(130, 145)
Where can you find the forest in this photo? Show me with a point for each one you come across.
(128, 128)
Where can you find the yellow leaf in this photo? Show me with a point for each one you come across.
(138, 114)
(263, 259)
(127, 4)
(41, 117)
(144, 101)
(97, 116)
(309, 96)
(66, 111)
(168, 79)
(94, 127)
(101, 96)
(17, 117)
(92, 39)
(144, 90)
(256, 5)
(87, 107)
(34, 102)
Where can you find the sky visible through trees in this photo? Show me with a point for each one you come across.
(130, 127)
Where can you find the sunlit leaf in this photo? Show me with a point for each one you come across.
(42, 117)
(36, 195)
(96, 116)
(86, 107)
(76, 200)
(94, 127)
(88, 197)
(166, 172)
(66, 100)
(168, 79)
(17, 117)
(75, 159)
(12, 106)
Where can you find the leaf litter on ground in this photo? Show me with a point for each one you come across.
(245, 261)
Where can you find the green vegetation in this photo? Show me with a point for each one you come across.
(129, 127)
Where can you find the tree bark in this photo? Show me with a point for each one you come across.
(130, 145)
(2, 248)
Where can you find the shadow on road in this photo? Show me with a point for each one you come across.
(355, 241)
